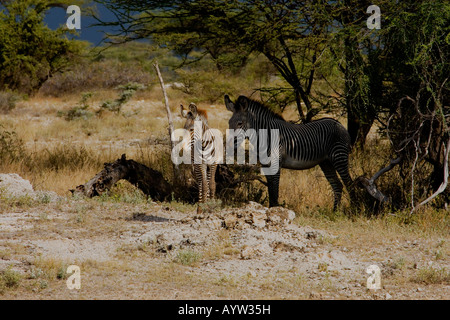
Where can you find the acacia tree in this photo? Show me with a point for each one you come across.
(295, 36)
(417, 60)
(290, 34)
(410, 69)
(30, 51)
(357, 48)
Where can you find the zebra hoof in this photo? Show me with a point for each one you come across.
(199, 210)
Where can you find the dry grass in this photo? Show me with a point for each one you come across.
(432, 275)
(62, 154)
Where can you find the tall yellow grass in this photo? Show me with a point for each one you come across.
(63, 154)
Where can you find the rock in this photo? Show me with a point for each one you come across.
(14, 186)
(311, 235)
(280, 215)
(214, 223)
(274, 218)
(255, 206)
(254, 216)
(259, 219)
(285, 247)
(247, 253)
(315, 295)
(230, 221)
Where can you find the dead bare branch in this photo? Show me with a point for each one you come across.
(169, 117)
(371, 187)
(391, 165)
(444, 184)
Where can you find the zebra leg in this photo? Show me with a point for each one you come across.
(200, 182)
(273, 184)
(205, 182)
(332, 177)
(212, 180)
(340, 163)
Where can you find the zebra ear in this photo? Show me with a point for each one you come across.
(229, 104)
(242, 103)
(193, 109)
(183, 112)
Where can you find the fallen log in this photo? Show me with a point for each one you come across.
(151, 182)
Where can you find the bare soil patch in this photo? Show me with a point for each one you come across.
(161, 251)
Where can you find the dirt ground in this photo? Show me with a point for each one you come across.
(168, 251)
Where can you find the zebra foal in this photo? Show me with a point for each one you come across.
(201, 142)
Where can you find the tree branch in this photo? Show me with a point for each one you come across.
(370, 185)
(444, 183)
(169, 117)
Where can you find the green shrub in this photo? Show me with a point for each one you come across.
(11, 146)
(30, 51)
(8, 100)
(96, 75)
(208, 86)
(187, 257)
(9, 279)
(80, 111)
(127, 91)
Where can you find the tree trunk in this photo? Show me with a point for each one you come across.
(358, 131)
(176, 170)
(360, 113)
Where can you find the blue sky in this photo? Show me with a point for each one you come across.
(56, 17)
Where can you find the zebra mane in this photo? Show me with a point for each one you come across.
(257, 105)
(202, 113)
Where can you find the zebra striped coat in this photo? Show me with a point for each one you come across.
(201, 144)
(323, 142)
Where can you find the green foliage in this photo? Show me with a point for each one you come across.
(11, 146)
(127, 91)
(228, 32)
(207, 85)
(8, 100)
(418, 53)
(31, 52)
(9, 279)
(416, 60)
(80, 111)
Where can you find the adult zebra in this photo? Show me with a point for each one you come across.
(202, 150)
(323, 142)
